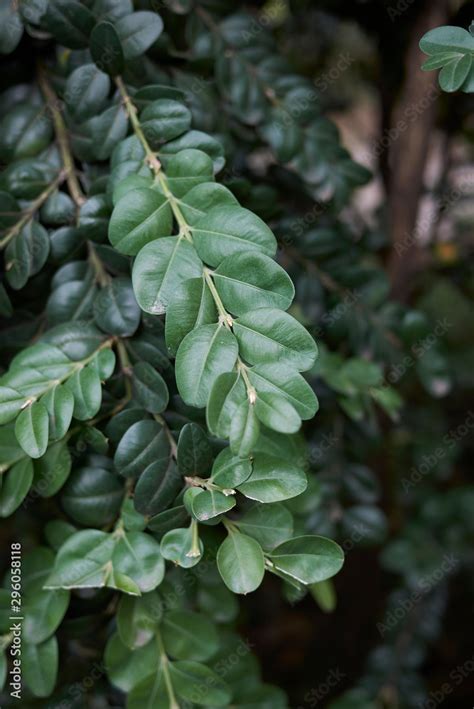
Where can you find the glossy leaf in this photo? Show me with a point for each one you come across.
(139, 217)
(273, 480)
(241, 563)
(225, 231)
(206, 352)
(247, 281)
(308, 559)
(160, 268)
(268, 335)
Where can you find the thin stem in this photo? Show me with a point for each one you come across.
(251, 391)
(32, 209)
(102, 277)
(166, 674)
(231, 527)
(195, 481)
(75, 368)
(225, 316)
(62, 137)
(152, 160)
(184, 227)
(125, 365)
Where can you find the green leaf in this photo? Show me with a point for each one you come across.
(127, 669)
(206, 352)
(168, 520)
(129, 561)
(143, 446)
(138, 32)
(83, 561)
(225, 231)
(194, 682)
(247, 281)
(211, 503)
(157, 489)
(230, 471)
(244, 430)
(32, 429)
(112, 9)
(70, 22)
(281, 379)
(24, 132)
(160, 268)
(447, 39)
(138, 619)
(104, 363)
(191, 305)
(26, 254)
(270, 525)
(107, 130)
(87, 89)
(40, 666)
(325, 595)
(177, 546)
(273, 480)
(275, 411)
(140, 216)
(11, 27)
(308, 559)
(188, 635)
(267, 335)
(58, 209)
(52, 469)
(43, 612)
(150, 693)
(87, 392)
(115, 309)
(92, 496)
(451, 50)
(196, 140)
(187, 169)
(15, 486)
(163, 120)
(194, 451)
(94, 217)
(227, 394)
(241, 563)
(453, 74)
(204, 197)
(11, 403)
(149, 388)
(106, 48)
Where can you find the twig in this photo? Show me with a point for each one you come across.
(53, 103)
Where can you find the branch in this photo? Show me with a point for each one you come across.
(60, 130)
